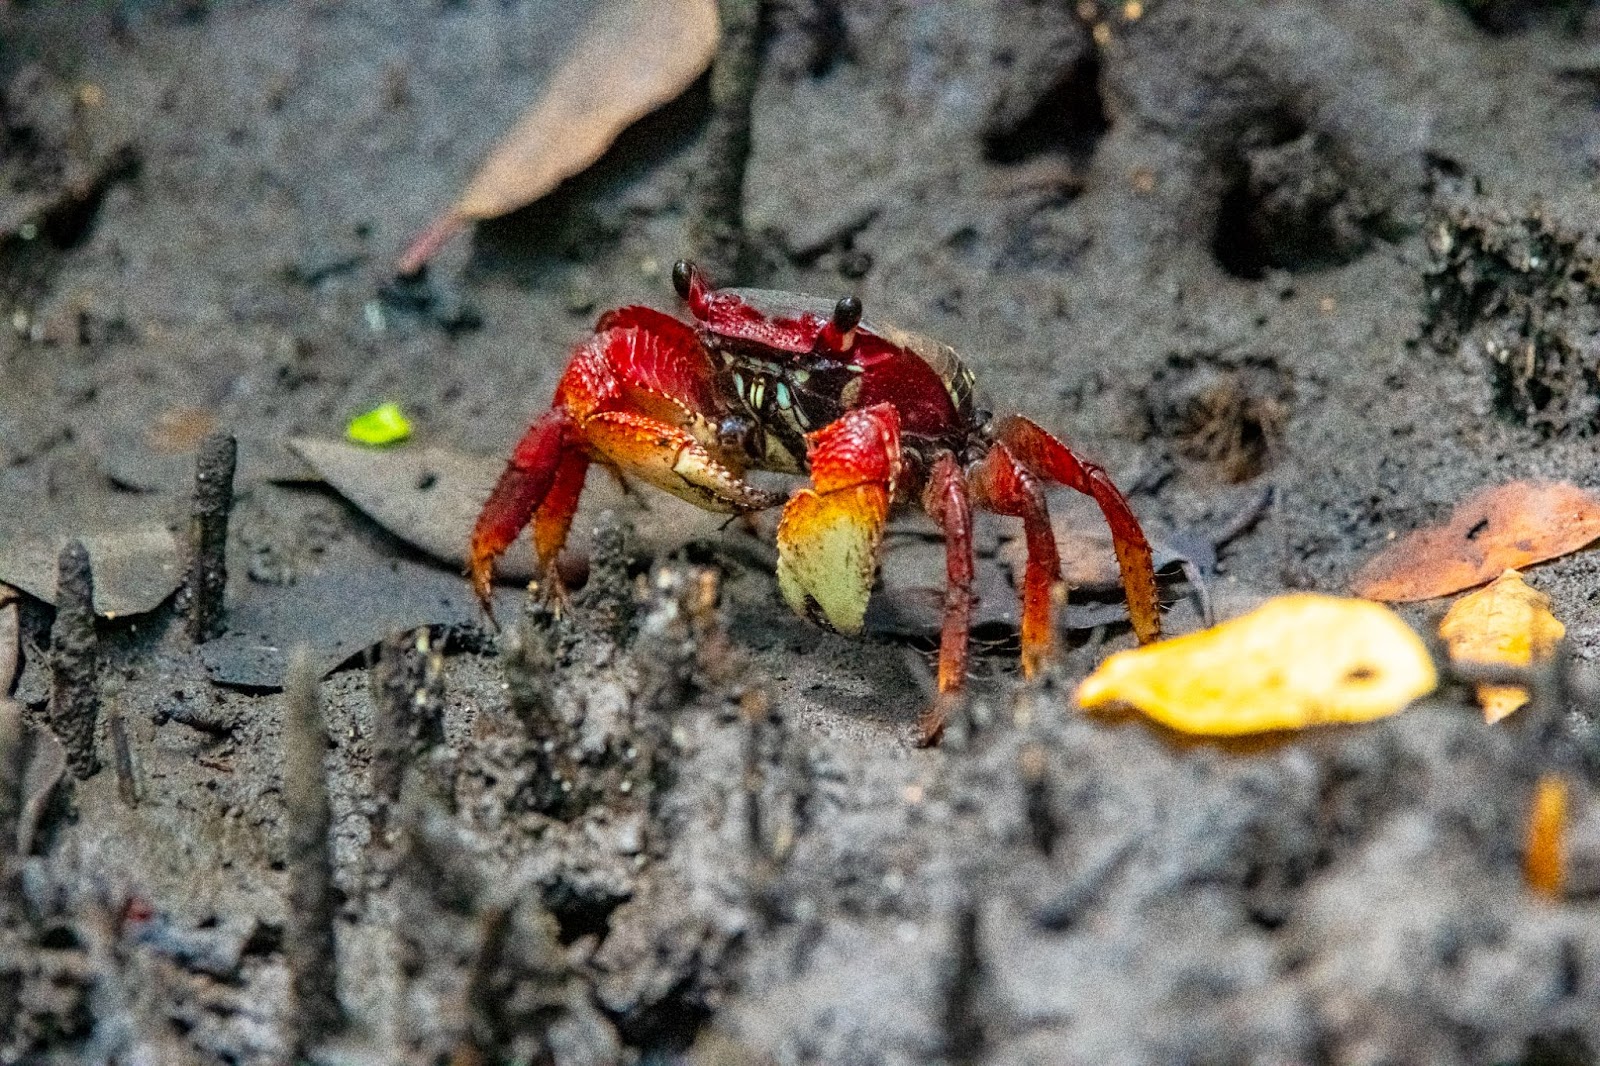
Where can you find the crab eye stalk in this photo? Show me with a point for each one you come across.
(839, 335)
(682, 273)
(846, 315)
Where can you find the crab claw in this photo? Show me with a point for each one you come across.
(670, 458)
(829, 536)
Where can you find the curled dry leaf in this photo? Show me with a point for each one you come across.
(1507, 622)
(10, 641)
(1491, 531)
(1296, 661)
(634, 56)
(429, 497)
(1544, 863)
(135, 569)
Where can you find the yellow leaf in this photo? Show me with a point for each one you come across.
(1296, 661)
(1507, 622)
(1544, 861)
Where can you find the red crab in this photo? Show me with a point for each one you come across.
(776, 381)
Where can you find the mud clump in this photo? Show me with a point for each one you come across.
(1517, 288)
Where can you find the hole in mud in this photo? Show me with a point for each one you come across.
(59, 938)
(1229, 413)
(1068, 120)
(1518, 16)
(578, 918)
(1565, 1048)
(1292, 203)
(666, 1030)
(69, 223)
(830, 37)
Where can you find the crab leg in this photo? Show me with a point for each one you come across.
(1003, 485)
(522, 488)
(945, 500)
(829, 536)
(1049, 458)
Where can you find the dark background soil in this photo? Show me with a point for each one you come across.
(1344, 250)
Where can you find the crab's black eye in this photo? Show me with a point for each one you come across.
(846, 314)
(681, 270)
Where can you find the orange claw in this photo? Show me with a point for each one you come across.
(672, 459)
(829, 536)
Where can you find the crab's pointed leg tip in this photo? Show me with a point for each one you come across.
(930, 726)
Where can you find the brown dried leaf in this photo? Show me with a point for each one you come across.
(1497, 529)
(429, 497)
(10, 641)
(633, 57)
(135, 569)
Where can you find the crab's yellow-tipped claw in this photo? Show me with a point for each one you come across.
(672, 459)
(828, 553)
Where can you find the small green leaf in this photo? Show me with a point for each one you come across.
(382, 425)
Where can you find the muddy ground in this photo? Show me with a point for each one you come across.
(1344, 251)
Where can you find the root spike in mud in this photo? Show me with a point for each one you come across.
(208, 534)
(74, 661)
(408, 721)
(962, 1020)
(309, 936)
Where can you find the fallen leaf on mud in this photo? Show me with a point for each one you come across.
(134, 464)
(1507, 622)
(1497, 529)
(338, 613)
(1297, 661)
(180, 430)
(430, 498)
(634, 56)
(909, 601)
(47, 764)
(10, 641)
(135, 569)
(1544, 863)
